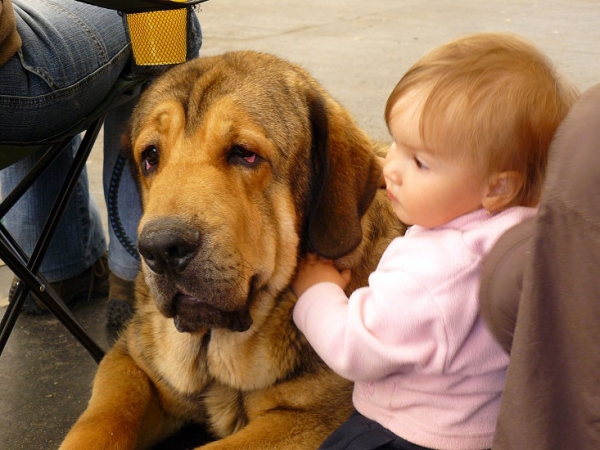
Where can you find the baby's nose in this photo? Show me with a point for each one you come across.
(391, 176)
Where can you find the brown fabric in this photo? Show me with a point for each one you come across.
(502, 281)
(10, 41)
(552, 394)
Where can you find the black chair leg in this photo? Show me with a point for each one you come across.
(50, 300)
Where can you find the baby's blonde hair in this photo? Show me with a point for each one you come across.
(495, 98)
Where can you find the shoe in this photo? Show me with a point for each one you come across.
(93, 282)
(120, 302)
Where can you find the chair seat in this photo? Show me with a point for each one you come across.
(135, 6)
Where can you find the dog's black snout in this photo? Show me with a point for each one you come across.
(168, 245)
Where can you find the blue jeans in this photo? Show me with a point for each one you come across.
(72, 54)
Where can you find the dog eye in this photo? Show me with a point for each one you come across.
(150, 158)
(243, 156)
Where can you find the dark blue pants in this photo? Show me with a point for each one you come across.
(360, 433)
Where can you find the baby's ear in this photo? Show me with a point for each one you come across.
(503, 189)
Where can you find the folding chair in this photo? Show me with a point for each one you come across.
(148, 61)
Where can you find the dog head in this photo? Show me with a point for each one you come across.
(244, 163)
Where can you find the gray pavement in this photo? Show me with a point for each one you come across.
(358, 50)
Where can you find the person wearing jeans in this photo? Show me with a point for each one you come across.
(58, 61)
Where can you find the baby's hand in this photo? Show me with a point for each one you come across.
(313, 270)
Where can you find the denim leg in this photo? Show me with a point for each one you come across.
(79, 240)
(72, 55)
(121, 196)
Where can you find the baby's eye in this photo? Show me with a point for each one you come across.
(419, 164)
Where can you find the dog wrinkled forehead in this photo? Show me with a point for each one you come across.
(273, 92)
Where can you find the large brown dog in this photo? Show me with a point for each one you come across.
(245, 163)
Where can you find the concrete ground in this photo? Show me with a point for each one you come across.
(358, 50)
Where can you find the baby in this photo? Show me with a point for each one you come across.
(471, 124)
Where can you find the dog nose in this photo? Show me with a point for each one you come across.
(168, 245)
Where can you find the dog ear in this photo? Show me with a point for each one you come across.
(346, 176)
(127, 153)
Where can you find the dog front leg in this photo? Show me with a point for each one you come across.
(277, 429)
(123, 412)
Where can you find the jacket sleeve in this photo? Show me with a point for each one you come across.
(393, 325)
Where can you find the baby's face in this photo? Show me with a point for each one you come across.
(427, 188)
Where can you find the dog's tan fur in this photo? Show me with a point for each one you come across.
(238, 363)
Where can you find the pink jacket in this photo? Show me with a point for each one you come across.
(423, 362)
